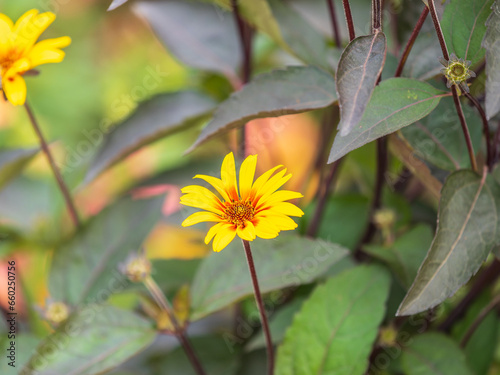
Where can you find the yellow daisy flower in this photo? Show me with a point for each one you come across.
(256, 210)
(19, 51)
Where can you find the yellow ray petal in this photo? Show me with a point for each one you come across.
(282, 195)
(199, 217)
(203, 195)
(30, 26)
(280, 221)
(262, 180)
(273, 184)
(264, 228)
(5, 31)
(286, 208)
(223, 237)
(247, 173)
(216, 183)
(15, 89)
(247, 233)
(48, 51)
(212, 232)
(228, 176)
(192, 200)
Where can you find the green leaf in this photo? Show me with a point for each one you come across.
(434, 354)
(25, 345)
(303, 41)
(223, 278)
(466, 233)
(171, 274)
(200, 35)
(94, 340)
(359, 69)
(395, 103)
(423, 61)
(336, 327)
(280, 92)
(214, 353)
(12, 163)
(438, 138)
(406, 254)
(86, 268)
(492, 47)
(153, 119)
(279, 322)
(463, 25)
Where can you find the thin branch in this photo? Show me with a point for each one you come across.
(479, 319)
(376, 15)
(348, 18)
(260, 305)
(465, 129)
(164, 304)
(57, 174)
(439, 32)
(333, 20)
(487, 277)
(486, 130)
(411, 41)
(496, 144)
(320, 207)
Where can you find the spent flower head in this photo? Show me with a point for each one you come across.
(56, 312)
(457, 72)
(136, 267)
(255, 209)
(20, 52)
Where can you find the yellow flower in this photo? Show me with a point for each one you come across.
(257, 210)
(457, 72)
(19, 51)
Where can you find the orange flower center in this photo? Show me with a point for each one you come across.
(238, 212)
(8, 59)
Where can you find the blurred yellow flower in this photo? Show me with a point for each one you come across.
(258, 210)
(19, 51)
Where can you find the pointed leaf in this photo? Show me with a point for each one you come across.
(94, 340)
(357, 74)
(438, 138)
(434, 354)
(86, 268)
(281, 92)
(12, 163)
(492, 45)
(223, 278)
(395, 103)
(200, 35)
(463, 25)
(466, 233)
(334, 331)
(153, 119)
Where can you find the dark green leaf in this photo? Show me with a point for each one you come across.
(280, 321)
(434, 354)
(86, 269)
(12, 163)
(463, 25)
(492, 46)
(200, 35)
(423, 61)
(359, 69)
(223, 278)
(171, 274)
(395, 103)
(406, 254)
(216, 355)
(94, 340)
(153, 119)
(281, 92)
(438, 138)
(334, 331)
(466, 233)
(25, 345)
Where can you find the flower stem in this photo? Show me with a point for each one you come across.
(260, 305)
(348, 17)
(163, 302)
(465, 129)
(333, 20)
(479, 319)
(486, 130)
(411, 41)
(439, 32)
(320, 206)
(57, 174)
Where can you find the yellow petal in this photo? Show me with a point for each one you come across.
(265, 228)
(282, 222)
(216, 183)
(247, 173)
(14, 88)
(273, 184)
(223, 237)
(199, 217)
(212, 232)
(202, 194)
(228, 176)
(19, 67)
(5, 30)
(30, 26)
(246, 233)
(48, 51)
(283, 195)
(286, 208)
(196, 201)
(262, 180)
